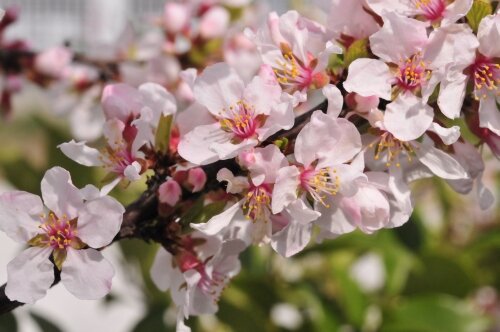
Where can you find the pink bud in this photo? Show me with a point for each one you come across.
(197, 178)
(214, 23)
(175, 17)
(53, 61)
(169, 192)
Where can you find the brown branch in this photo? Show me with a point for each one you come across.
(145, 209)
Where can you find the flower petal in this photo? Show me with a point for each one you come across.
(81, 153)
(335, 100)
(285, 188)
(87, 274)
(291, 239)
(99, 221)
(447, 135)
(440, 163)
(452, 94)
(218, 223)
(194, 146)
(30, 275)
(407, 118)
(59, 194)
(218, 87)
(162, 270)
(369, 77)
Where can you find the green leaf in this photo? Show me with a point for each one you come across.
(8, 323)
(44, 324)
(479, 10)
(435, 275)
(152, 321)
(162, 136)
(358, 49)
(435, 313)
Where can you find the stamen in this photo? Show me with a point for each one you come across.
(393, 148)
(320, 183)
(258, 203)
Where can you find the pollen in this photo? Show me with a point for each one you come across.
(320, 183)
(486, 77)
(257, 205)
(391, 148)
(412, 73)
(432, 10)
(59, 231)
(240, 119)
(291, 73)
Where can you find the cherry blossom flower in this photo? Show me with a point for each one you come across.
(198, 273)
(432, 11)
(69, 232)
(244, 115)
(134, 115)
(350, 19)
(411, 61)
(288, 232)
(297, 49)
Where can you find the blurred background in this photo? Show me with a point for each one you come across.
(440, 272)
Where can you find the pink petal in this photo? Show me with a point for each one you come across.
(285, 188)
(81, 153)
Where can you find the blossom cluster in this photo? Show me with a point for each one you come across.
(316, 131)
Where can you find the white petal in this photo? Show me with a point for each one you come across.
(17, 224)
(162, 269)
(158, 99)
(333, 219)
(30, 275)
(301, 212)
(87, 274)
(291, 239)
(335, 100)
(346, 147)
(81, 153)
(489, 35)
(59, 194)
(218, 87)
(133, 171)
(281, 117)
(407, 118)
(262, 95)
(440, 163)
(456, 10)
(110, 186)
(448, 135)
(194, 146)
(489, 114)
(99, 221)
(452, 94)
(285, 188)
(266, 163)
(22, 201)
(218, 223)
(235, 184)
(400, 37)
(369, 77)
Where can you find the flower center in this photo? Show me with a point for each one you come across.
(433, 10)
(393, 147)
(241, 120)
(60, 232)
(486, 76)
(412, 73)
(258, 203)
(212, 286)
(116, 159)
(292, 73)
(320, 183)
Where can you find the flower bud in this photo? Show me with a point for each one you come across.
(169, 192)
(175, 17)
(197, 178)
(214, 23)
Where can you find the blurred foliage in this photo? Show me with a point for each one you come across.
(432, 267)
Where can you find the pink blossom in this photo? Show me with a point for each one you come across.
(73, 226)
(197, 178)
(297, 49)
(53, 61)
(432, 11)
(244, 115)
